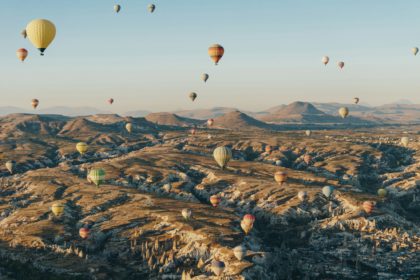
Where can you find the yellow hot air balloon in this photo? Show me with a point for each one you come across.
(415, 50)
(222, 156)
(405, 140)
(129, 127)
(41, 33)
(10, 166)
(57, 209)
(82, 147)
(344, 112)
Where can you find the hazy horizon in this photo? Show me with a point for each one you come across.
(152, 61)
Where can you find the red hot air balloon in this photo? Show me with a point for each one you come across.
(216, 52)
(84, 232)
(249, 219)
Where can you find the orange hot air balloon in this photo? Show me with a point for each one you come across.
(215, 200)
(34, 103)
(280, 177)
(268, 149)
(84, 233)
(307, 159)
(110, 101)
(249, 219)
(210, 122)
(216, 52)
(22, 54)
(368, 206)
(246, 227)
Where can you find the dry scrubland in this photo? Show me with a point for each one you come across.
(137, 231)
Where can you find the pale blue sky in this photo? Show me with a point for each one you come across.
(273, 52)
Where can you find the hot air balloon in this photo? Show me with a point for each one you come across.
(268, 149)
(192, 131)
(303, 196)
(210, 122)
(340, 64)
(24, 34)
(84, 233)
(239, 252)
(249, 219)
(35, 103)
(368, 206)
(82, 147)
(308, 132)
(22, 54)
(343, 112)
(280, 177)
(151, 8)
(215, 200)
(10, 165)
(205, 77)
(110, 101)
(216, 52)
(404, 141)
(217, 267)
(41, 33)
(327, 191)
(209, 136)
(356, 100)
(129, 127)
(97, 176)
(193, 96)
(222, 156)
(325, 60)
(246, 227)
(307, 159)
(186, 213)
(382, 193)
(117, 8)
(415, 50)
(57, 209)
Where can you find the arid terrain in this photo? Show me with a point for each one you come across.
(136, 227)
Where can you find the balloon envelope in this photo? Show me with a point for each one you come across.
(308, 133)
(382, 192)
(240, 252)
(57, 209)
(218, 267)
(129, 127)
(205, 77)
(21, 54)
(216, 52)
(110, 101)
(186, 213)
(84, 232)
(325, 60)
(41, 33)
(327, 191)
(302, 195)
(117, 8)
(356, 100)
(215, 200)
(210, 122)
(280, 177)
(10, 166)
(151, 8)
(82, 147)
(222, 156)
(415, 50)
(343, 112)
(405, 141)
(35, 103)
(368, 206)
(341, 64)
(97, 176)
(193, 96)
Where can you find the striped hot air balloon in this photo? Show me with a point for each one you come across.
(216, 52)
(222, 156)
(97, 176)
(22, 54)
(368, 206)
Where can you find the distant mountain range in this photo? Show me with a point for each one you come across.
(295, 113)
